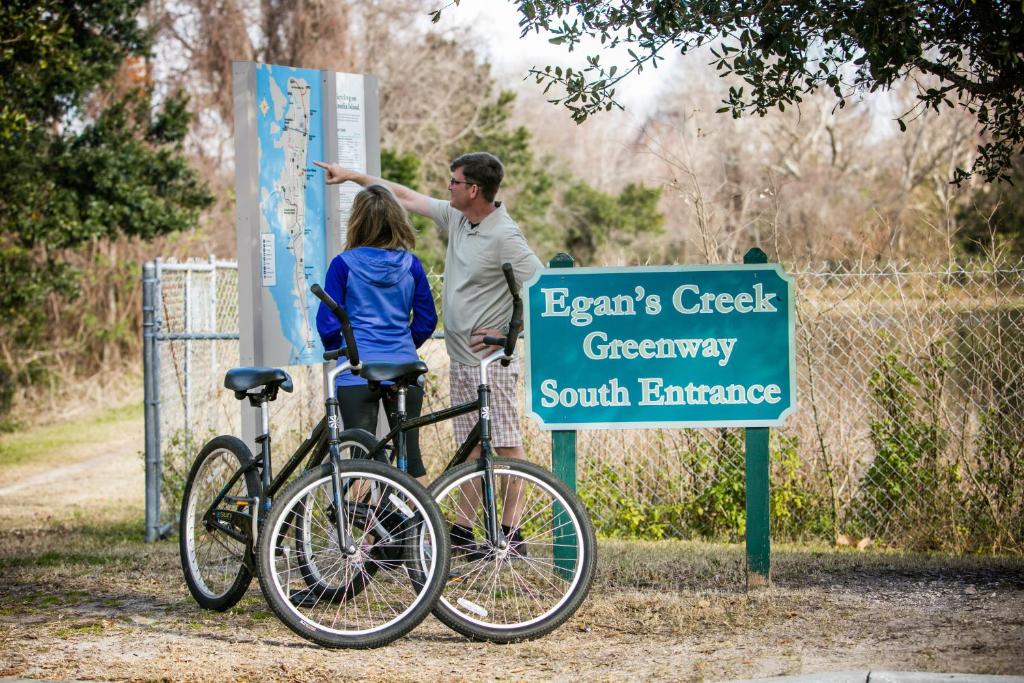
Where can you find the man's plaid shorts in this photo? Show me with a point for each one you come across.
(464, 381)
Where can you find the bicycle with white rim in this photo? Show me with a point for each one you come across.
(522, 545)
(353, 553)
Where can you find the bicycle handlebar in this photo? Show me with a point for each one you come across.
(515, 325)
(335, 354)
(350, 349)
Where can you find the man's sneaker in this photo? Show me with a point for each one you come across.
(463, 543)
(516, 544)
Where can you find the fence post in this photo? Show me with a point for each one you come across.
(563, 442)
(563, 465)
(214, 380)
(757, 489)
(150, 380)
(187, 310)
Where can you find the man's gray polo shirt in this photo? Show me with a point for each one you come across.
(475, 294)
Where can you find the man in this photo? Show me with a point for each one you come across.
(475, 300)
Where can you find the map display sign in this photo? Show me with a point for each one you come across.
(289, 223)
(681, 346)
(293, 251)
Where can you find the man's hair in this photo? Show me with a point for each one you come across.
(378, 220)
(482, 169)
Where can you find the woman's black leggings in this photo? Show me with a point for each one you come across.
(359, 411)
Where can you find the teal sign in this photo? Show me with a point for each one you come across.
(679, 346)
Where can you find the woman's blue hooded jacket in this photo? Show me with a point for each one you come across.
(379, 289)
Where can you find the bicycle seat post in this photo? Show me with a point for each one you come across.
(402, 462)
(262, 401)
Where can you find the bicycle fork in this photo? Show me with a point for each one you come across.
(494, 533)
(345, 540)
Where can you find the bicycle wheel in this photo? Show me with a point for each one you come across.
(531, 587)
(354, 443)
(377, 592)
(215, 525)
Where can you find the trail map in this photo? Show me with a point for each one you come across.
(291, 201)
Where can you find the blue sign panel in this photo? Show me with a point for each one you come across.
(293, 248)
(681, 346)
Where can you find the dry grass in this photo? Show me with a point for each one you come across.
(82, 597)
(83, 601)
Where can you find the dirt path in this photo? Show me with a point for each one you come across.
(90, 475)
(82, 598)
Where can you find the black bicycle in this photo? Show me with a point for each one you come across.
(228, 490)
(502, 587)
(350, 531)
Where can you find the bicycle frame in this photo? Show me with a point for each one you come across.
(315, 447)
(322, 441)
(481, 433)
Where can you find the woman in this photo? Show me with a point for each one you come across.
(378, 281)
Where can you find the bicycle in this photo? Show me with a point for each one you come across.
(226, 483)
(376, 516)
(504, 588)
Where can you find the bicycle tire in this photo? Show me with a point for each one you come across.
(353, 443)
(511, 595)
(392, 599)
(217, 566)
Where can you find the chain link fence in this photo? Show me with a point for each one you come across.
(908, 432)
(190, 321)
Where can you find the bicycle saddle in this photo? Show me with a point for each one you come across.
(385, 372)
(241, 380)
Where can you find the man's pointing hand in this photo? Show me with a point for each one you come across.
(335, 173)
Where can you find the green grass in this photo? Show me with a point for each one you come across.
(83, 629)
(122, 528)
(45, 444)
(669, 564)
(75, 542)
(63, 559)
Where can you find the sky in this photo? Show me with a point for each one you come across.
(497, 22)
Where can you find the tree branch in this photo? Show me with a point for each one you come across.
(973, 87)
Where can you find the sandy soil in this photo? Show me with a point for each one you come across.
(77, 603)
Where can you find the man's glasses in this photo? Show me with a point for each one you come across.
(453, 181)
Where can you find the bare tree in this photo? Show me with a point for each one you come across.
(197, 40)
(809, 183)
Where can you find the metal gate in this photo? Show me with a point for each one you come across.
(190, 324)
